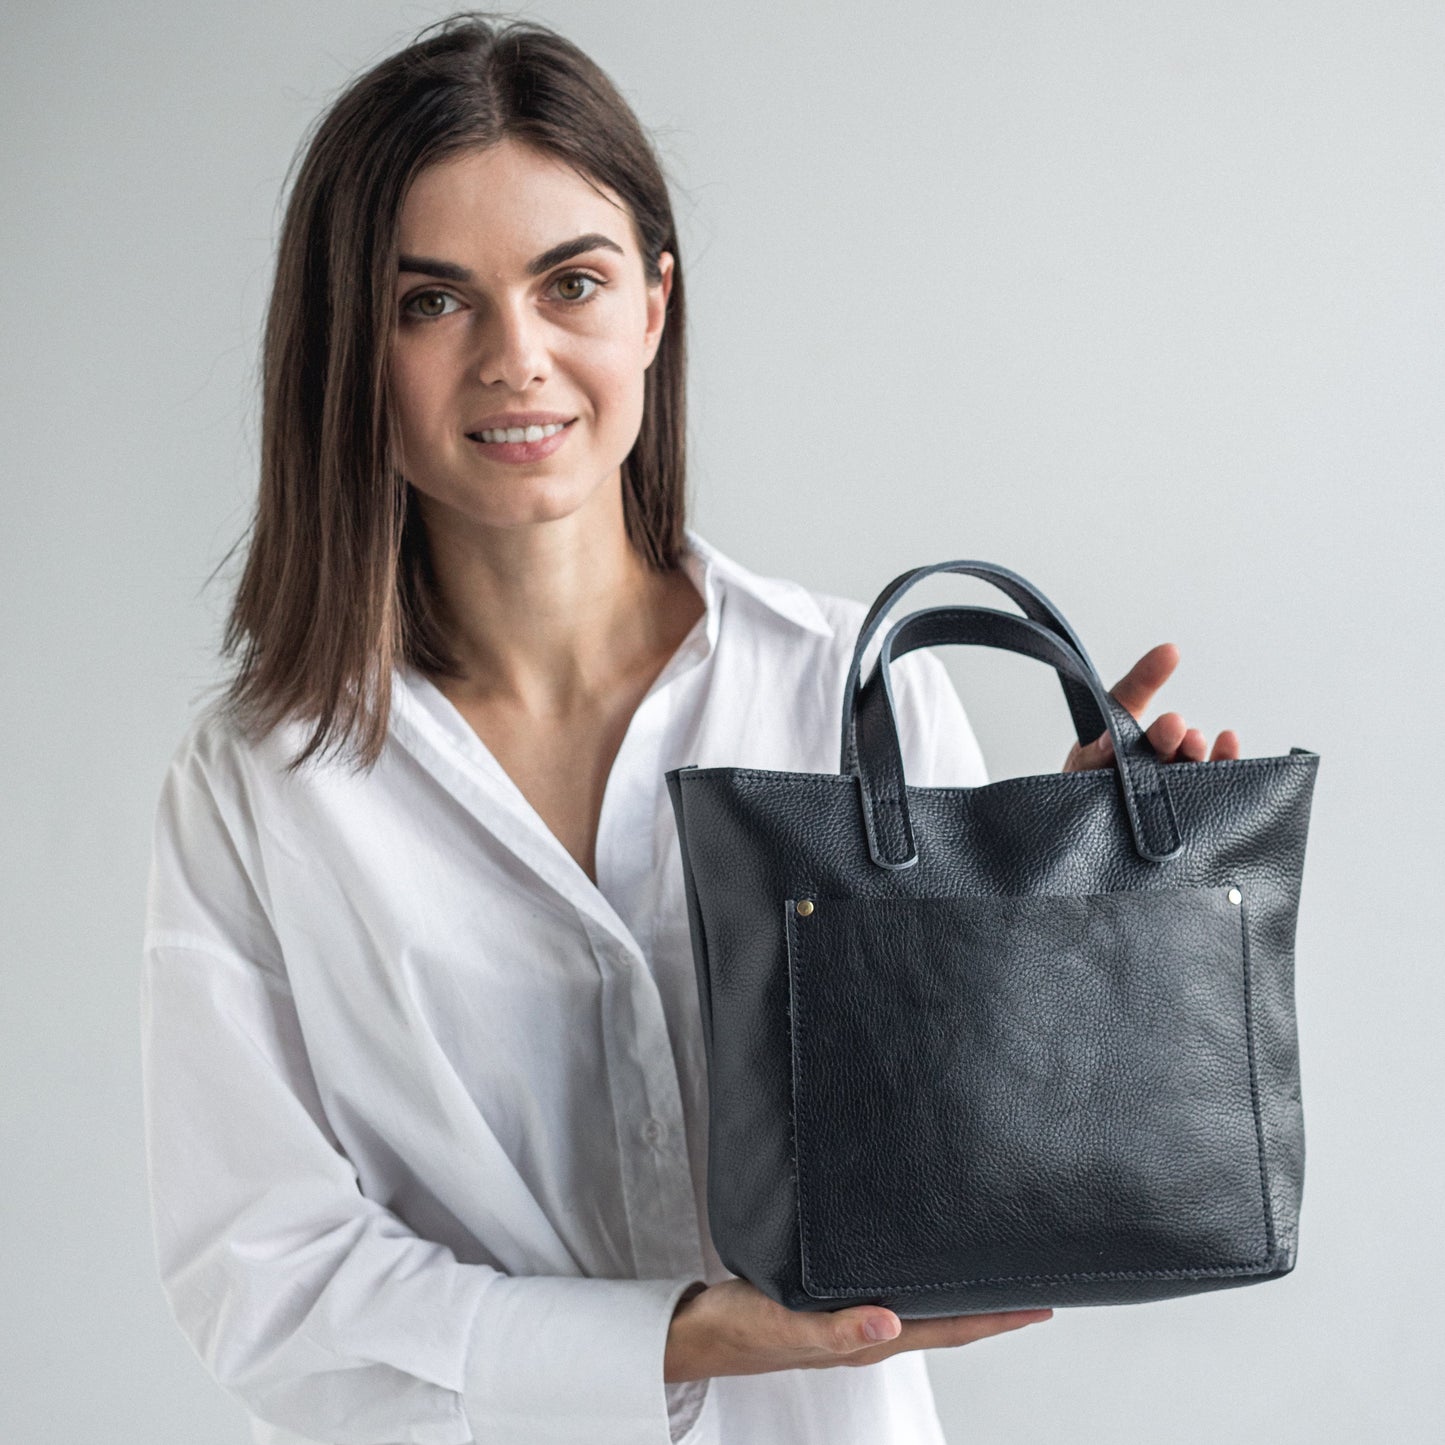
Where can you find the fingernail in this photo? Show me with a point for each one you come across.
(879, 1329)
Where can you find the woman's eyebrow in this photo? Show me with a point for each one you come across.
(566, 250)
(563, 251)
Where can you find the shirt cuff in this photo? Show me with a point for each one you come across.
(554, 1359)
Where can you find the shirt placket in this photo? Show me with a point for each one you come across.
(647, 1108)
(646, 1098)
(652, 1138)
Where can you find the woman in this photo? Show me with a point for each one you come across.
(424, 1084)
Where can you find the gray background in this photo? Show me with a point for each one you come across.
(1142, 300)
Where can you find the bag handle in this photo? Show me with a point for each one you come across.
(1141, 776)
(1021, 592)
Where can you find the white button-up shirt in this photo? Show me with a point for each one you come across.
(426, 1109)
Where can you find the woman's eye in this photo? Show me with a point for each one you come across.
(430, 304)
(576, 277)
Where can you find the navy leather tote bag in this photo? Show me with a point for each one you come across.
(1026, 1044)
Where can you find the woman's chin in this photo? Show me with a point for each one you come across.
(510, 502)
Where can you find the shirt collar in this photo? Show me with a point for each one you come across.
(791, 601)
(715, 574)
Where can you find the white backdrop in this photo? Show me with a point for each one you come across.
(1142, 300)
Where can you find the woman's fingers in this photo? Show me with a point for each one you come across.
(1193, 748)
(1226, 746)
(1098, 754)
(1176, 743)
(1166, 733)
(1135, 689)
(732, 1328)
(944, 1332)
(845, 1332)
(965, 1329)
(1171, 738)
(1133, 692)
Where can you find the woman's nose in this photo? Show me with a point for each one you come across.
(513, 349)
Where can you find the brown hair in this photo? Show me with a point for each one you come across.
(337, 584)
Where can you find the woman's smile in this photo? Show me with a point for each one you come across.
(520, 444)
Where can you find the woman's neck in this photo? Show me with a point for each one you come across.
(554, 615)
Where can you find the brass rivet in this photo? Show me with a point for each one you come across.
(805, 907)
(1235, 895)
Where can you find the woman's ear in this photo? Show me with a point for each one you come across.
(657, 294)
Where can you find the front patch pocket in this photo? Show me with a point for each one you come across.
(1002, 1089)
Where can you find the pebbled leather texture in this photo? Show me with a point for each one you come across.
(1035, 1066)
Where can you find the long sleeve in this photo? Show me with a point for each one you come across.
(315, 1306)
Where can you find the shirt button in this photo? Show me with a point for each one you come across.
(652, 1131)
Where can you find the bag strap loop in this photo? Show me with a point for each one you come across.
(1020, 591)
(1141, 776)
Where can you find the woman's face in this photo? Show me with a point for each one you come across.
(481, 334)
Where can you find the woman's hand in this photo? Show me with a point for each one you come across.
(1168, 735)
(733, 1328)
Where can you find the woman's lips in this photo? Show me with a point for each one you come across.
(521, 451)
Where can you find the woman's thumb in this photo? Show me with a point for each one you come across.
(872, 1327)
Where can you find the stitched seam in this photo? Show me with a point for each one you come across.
(694, 907)
(1127, 788)
(1246, 1266)
(794, 1024)
(1038, 780)
(912, 900)
(1269, 1239)
(880, 829)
